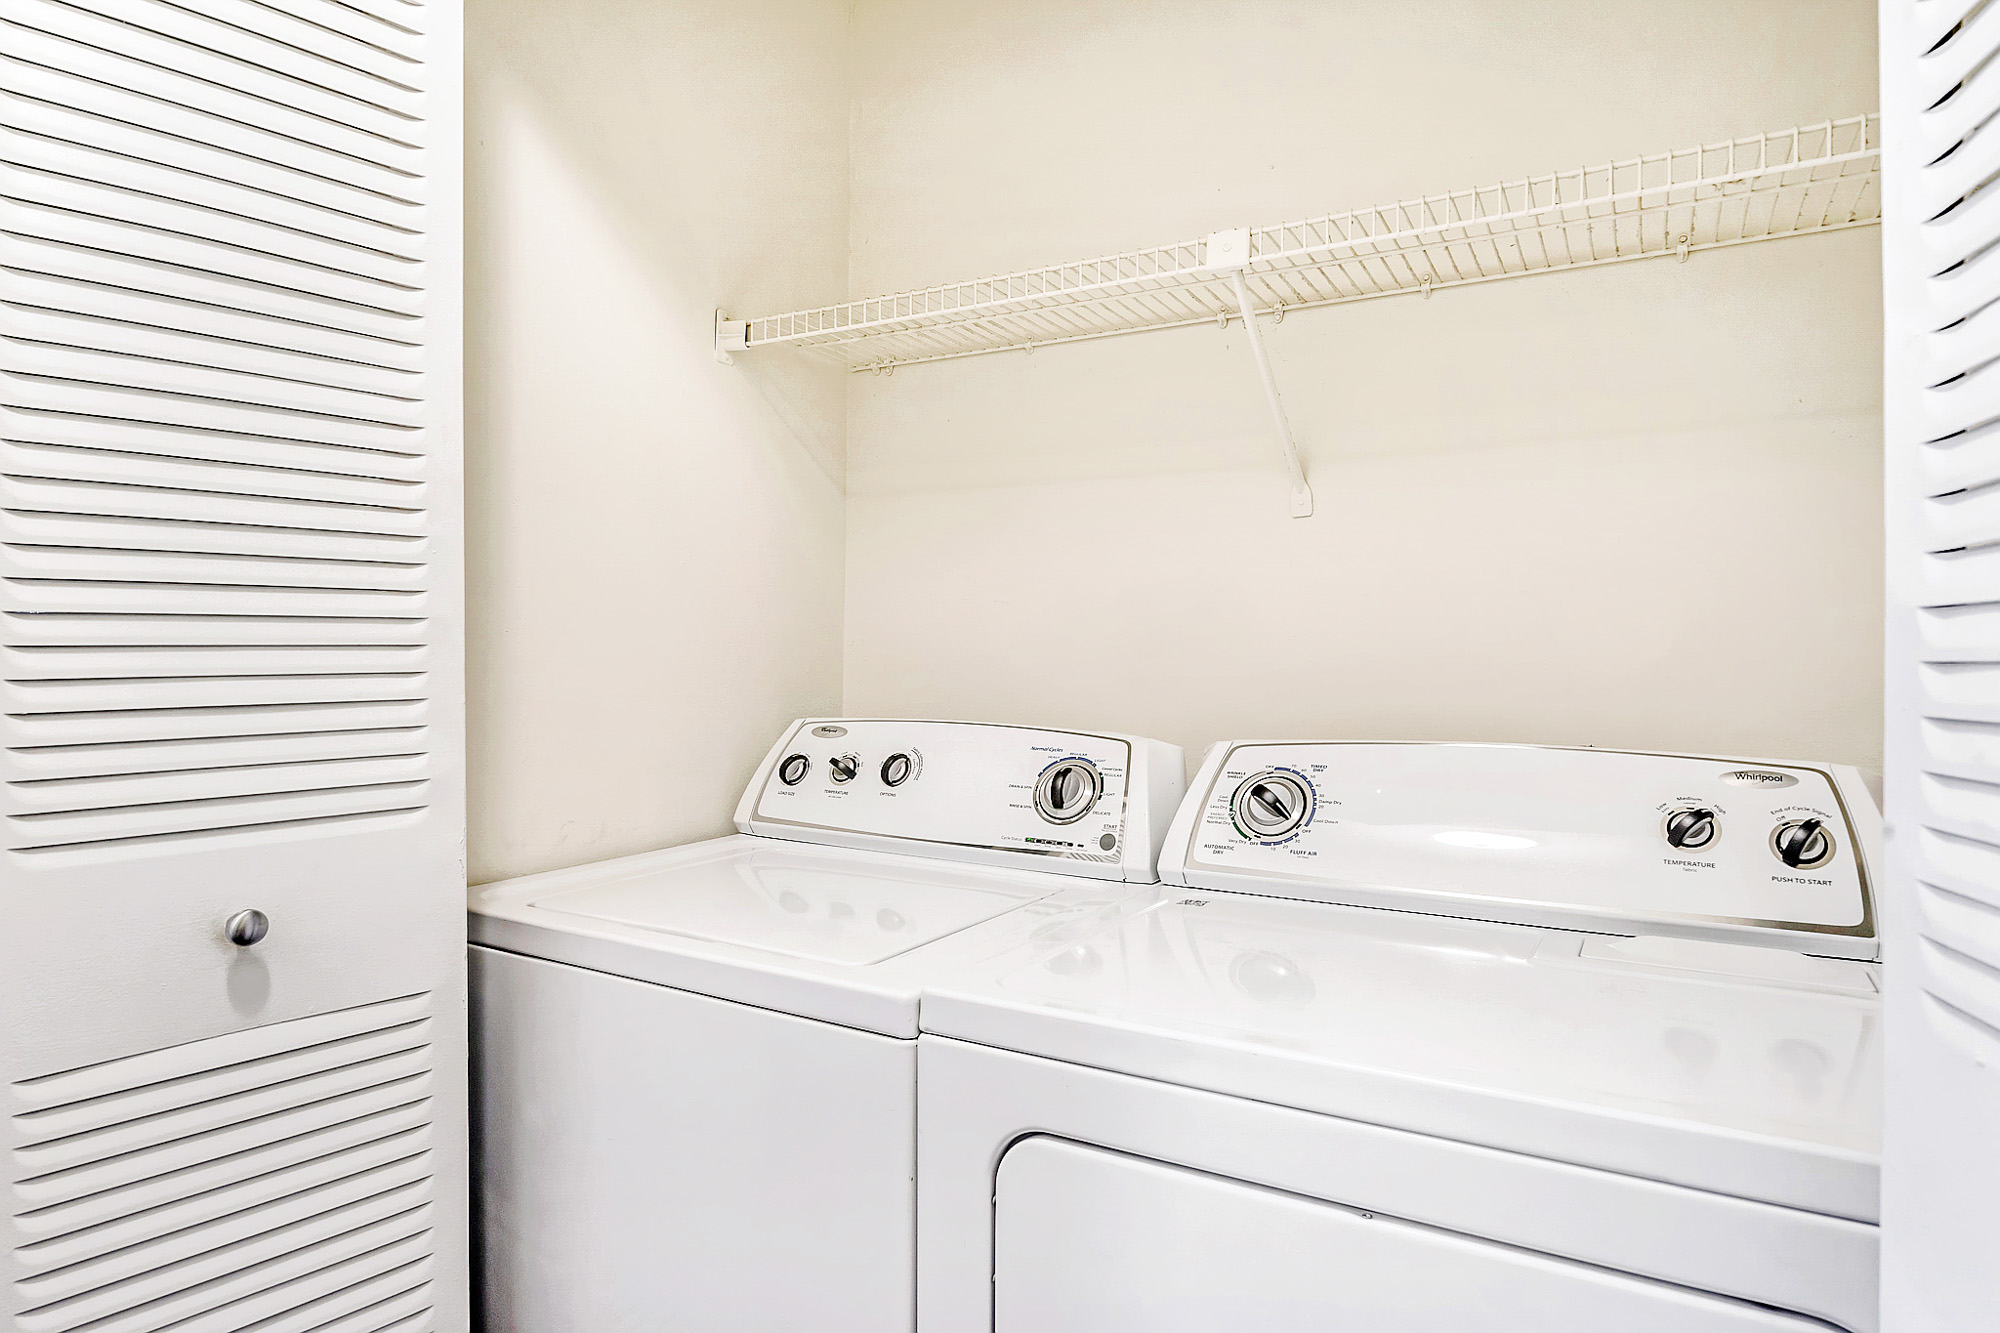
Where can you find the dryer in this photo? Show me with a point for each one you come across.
(695, 1070)
(1431, 1038)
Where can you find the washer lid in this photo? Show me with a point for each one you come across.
(825, 933)
(799, 905)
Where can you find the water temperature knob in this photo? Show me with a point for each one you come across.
(1802, 844)
(1271, 805)
(1690, 828)
(842, 768)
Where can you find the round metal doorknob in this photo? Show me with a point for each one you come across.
(247, 927)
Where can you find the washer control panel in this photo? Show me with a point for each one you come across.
(1065, 797)
(1612, 841)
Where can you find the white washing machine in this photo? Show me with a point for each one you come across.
(1433, 1039)
(695, 1070)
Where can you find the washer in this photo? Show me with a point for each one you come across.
(695, 1070)
(1431, 1039)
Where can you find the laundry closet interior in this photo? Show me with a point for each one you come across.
(999, 666)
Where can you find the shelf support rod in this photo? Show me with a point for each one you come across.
(1288, 448)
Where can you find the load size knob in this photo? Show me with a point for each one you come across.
(1802, 844)
(1691, 828)
(794, 769)
(1271, 805)
(842, 768)
(1067, 791)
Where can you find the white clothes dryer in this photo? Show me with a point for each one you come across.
(694, 1070)
(1431, 1039)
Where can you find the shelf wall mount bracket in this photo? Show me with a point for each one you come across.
(731, 335)
(1227, 253)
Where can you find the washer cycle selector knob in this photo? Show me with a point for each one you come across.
(896, 770)
(1067, 791)
(1802, 844)
(842, 768)
(1271, 805)
(793, 770)
(1690, 828)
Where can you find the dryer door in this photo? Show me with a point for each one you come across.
(1088, 1239)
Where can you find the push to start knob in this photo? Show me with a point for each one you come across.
(1271, 805)
(1691, 828)
(1067, 791)
(1802, 844)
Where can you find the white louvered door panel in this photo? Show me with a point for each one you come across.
(230, 627)
(1941, 269)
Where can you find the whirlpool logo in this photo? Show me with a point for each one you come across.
(1759, 777)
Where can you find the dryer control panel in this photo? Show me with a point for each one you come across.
(1082, 803)
(1624, 843)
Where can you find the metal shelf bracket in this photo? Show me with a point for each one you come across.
(1228, 252)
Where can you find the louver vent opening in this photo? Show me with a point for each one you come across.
(277, 1179)
(213, 467)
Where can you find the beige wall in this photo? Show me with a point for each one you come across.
(655, 539)
(1632, 506)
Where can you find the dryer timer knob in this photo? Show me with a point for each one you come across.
(1802, 844)
(1271, 805)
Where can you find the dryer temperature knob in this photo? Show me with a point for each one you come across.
(1690, 828)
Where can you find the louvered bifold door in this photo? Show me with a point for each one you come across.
(1941, 268)
(230, 627)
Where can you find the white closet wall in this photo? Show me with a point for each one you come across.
(1636, 506)
(656, 538)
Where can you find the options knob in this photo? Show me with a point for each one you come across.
(1271, 805)
(1802, 844)
(896, 770)
(792, 771)
(842, 768)
(1690, 828)
(1068, 790)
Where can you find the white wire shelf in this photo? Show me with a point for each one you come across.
(1809, 179)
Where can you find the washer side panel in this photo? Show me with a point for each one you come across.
(647, 1158)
